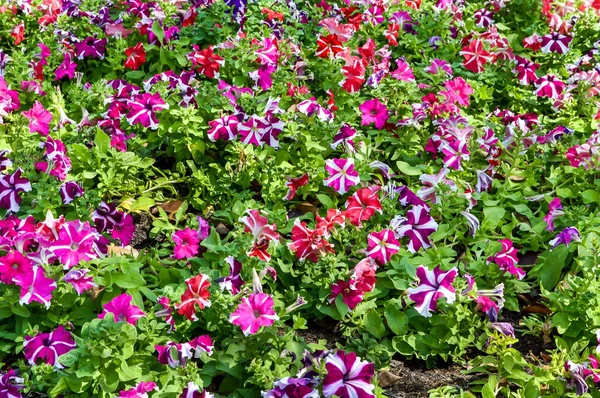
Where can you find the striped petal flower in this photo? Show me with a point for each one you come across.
(342, 175)
(433, 285)
(348, 376)
(382, 246)
(47, 347)
(254, 311)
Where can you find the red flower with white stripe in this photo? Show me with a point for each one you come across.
(328, 46)
(475, 56)
(136, 56)
(206, 61)
(363, 205)
(382, 246)
(262, 233)
(197, 294)
(309, 244)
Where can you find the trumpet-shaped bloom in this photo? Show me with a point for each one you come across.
(136, 56)
(193, 391)
(223, 128)
(78, 279)
(254, 311)
(351, 292)
(382, 246)
(143, 109)
(197, 294)
(554, 210)
(166, 312)
(290, 387)
(373, 111)
(293, 184)
(10, 188)
(342, 175)
(141, 390)
(433, 285)
(186, 242)
(76, 242)
(12, 265)
(39, 119)
(232, 282)
(417, 226)
(307, 243)
(47, 347)
(363, 205)
(348, 376)
(507, 259)
(11, 385)
(69, 191)
(565, 237)
(262, 233)
(35, 286)
(122, 309)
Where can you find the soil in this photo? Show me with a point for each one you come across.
(415, 380)
(143, 225)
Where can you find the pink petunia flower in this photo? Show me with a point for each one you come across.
(348, 376)
(35, 286)
(197, 294)
(342, 175)
(255, 311)
(12, 265)
(47, 347)
(141, 390)
(124, 230)
(549, 86)
(293, 184)
(507, 259)
(186, 242)
(78, 279)
(373, 111)
(433, 285)
(253, 130)
(11, 385)
(76, 242)
(122, 309)
(39, 119)
(351, 292)
(10, 188)
(431, 183)
(554, 210)
(382, 246)
(223, 128)
(66, 68)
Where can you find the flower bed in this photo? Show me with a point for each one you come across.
(190, 190)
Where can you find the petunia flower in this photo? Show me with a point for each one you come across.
(78, 279)
(11, 385)
(143, 109)
(363, 205)
(549, 86)
(91, 47)
(328, 46)
(432, 286)
(76, 242)
(309, 244)
(382, 246)
(186, 242)
(196, 294)
(136, 56)
(352, 293)
(35, 286)
(47, 347)
(206, 62)
(293, 184)
(373, 111)
(253, 130)
(565, 237)
(166, 312)
(223, 128)
(232, 282)
(555, 42)
(255, 311)
(122, 309)
(39, 119)
(66, 68)
(124, 230)
(475, 56)
(347, 376)
(431, 183)
(106, 216)
(141, 390)
(417, 226)
(290, 387)
(554, 210)
(342, 175)
(262, 233)
(507, 259)
(345, 135)
(12, 265)
(69, 191)
(193, 391)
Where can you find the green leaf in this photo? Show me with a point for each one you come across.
(493, 215)
(408, 169)
(489, 390)
(181, 211)
(158, 31)
(373, 324)
(326, 201)
(590, 196)
(142, 203)
(552, 266)
(20, 311)
(341, 306)
(102, 141)
(131, 280)
(396, 320)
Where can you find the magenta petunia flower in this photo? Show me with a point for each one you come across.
(555, 42)
(403, 72)
(350, 291)
(253, 130)
(373, 111)
(91, 48)
(348, 376)
(13, 265)
(193, 391)
(223, 128)
(344, 136)
(432, 286)
(10, 187)
(76, 242)
(39, 119)
(47, 347)
(507, 259)
(186, 242)
(382, 246)
(454, 153)
(549, 86)
(166, 312)
(290, 387)
(124, 230)
(69, 191)
(66, 68)
(254, 311)
(342, 175)
(417, 226)
(11, 385)
(141, 390)
(143, 109)
(35, 286)
(555, 209)
(78, 279)
(106, 216)
(122, 309)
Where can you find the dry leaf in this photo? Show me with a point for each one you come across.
(114, 250)
(386, 378)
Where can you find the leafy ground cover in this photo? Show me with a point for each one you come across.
(299, 198)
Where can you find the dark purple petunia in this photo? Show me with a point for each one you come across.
(66, 68)
(10, 187)
(106, 216)
(69, 191)
(556, 43)
(565, 237)
(143, 109)
(232, 282)
(47, 347)
(11, 385)
(417, 226)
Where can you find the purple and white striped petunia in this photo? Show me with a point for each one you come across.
(382, 246)
(11, 385)
(342, 175)
(432, 286)
(79, 280)
(232, 282)
(35, 286)
(348, 376)
(549, 86)
(417, 226)
(555, 209)
(223, 128)
(10, 187)
(143, 108)
(193, 391)
(47, 347)
(455, 152)
(556, 43)
(69, 191)
(431, 183)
